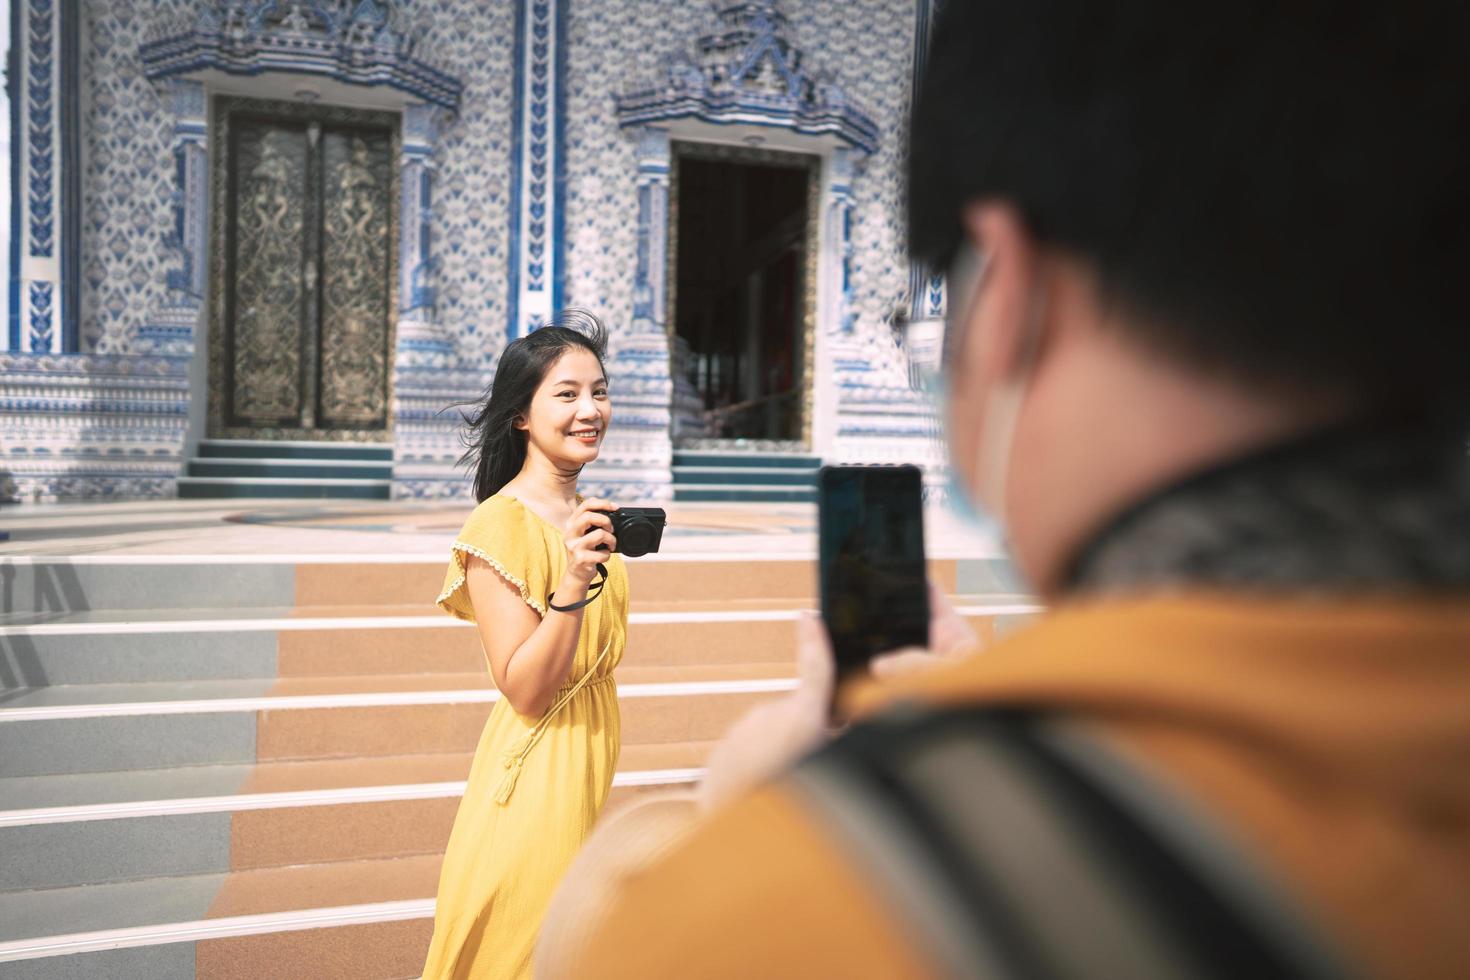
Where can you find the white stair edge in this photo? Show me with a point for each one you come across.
(367, 558)
(376, 699)
(434, 621)
(782, 470)
(237, 802)
(938, 552)
(297, 444)
(748, 453)
(284, 481)
(761, 487)
(286, 461)
(239, 925)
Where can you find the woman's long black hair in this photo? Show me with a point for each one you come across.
(495, 447)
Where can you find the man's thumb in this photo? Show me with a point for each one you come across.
(814, 663)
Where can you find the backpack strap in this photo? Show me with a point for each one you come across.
(1016, 847)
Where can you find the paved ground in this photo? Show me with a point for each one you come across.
(409, 529)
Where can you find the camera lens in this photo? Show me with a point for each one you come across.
(635, 537)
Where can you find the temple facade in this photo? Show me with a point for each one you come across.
(264, 248)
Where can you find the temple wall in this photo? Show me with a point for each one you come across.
(123, 395)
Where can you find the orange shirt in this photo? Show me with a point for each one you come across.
(1330, 737)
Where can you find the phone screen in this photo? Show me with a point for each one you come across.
(873, 579)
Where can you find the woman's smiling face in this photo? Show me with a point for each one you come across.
(570, 411)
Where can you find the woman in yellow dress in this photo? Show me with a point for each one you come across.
(533, 569)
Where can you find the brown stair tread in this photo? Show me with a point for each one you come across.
(309, 686)
(187, 898)
(430, 613)
(640, 605)
(317, 774)
(381, 950)
(310, 886)
(190, 782)
(81, 695)
(279, 777)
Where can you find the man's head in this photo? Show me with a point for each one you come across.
(1183, 230)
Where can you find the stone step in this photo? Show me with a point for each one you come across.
(747, 493)
(43, 590)
(300, 469)
(283, 488)
(127, 647)
(272, 449)
(742, 459)
(268, 814)
(66, 731)
(76, 830)
(37, 589)
(686, 476)
(369, 918)
(86, 701)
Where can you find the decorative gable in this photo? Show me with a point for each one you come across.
(746, 72)
(359, 42)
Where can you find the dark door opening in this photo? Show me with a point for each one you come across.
(739, 301)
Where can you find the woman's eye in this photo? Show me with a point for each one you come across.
(600, 393)
(566, 394)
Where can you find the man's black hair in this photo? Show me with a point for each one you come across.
(1274, 189)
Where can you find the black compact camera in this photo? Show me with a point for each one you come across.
(638, 529)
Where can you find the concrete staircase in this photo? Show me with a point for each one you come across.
(745, 477)
(215, 768)
(263, 468)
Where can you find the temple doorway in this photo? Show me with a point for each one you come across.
(743, 226)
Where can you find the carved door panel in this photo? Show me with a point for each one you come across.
(304, 273)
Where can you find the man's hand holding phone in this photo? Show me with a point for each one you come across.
(950, 636)
(773, 736)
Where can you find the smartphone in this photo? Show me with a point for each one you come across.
(874, 587)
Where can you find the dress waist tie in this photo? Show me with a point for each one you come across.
(516, 757)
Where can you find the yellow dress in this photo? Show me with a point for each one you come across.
(536, 785)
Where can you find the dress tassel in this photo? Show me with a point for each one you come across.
(514, 759)
(508, 783)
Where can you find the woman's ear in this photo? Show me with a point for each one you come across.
(519, 421)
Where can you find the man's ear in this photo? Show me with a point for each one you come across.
(997, 318)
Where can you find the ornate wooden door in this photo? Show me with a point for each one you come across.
(304, 272)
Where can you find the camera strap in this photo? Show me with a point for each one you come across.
(593, 591)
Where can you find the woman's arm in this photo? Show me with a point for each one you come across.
(530, 656)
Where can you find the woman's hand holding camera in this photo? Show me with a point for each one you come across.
(589, 537)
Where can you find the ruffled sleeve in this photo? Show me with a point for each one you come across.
(513, 542)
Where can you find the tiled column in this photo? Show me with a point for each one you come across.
(173, 328)
(846, 358)
(426, 371)
(927, 291)
(650, 294)
(44, 190)
(839, 233)
(417, 331)
(839, 355)
(876, 417)
(538, 167)
(637, 455)
(927, 294)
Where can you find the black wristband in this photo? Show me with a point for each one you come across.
(593, 591)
